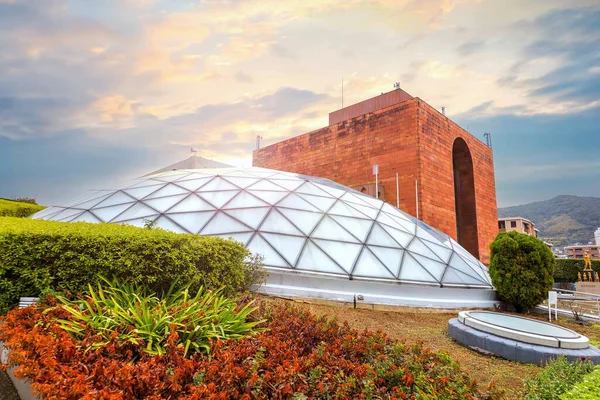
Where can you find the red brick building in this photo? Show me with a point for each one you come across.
(454, 171)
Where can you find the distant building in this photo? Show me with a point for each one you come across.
(519, 224)
(597, 236)
(577, 251)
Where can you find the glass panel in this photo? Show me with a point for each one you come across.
(442, 251)
(66, 213)
(192, 221)
(168, 190)
(164, 203)
(108, 213)
(314, 259)
(249, 216)
(261, 172)
(401, 237)
(380, 237)
(238, 237)
(322, 203)
(372, 201)
(411, 270)
(309, 188)
(284, 175)
(288, 246)
(241, 181)
(67, 218)
(343, 253)
(266, 185)
(305, 220)
(358, 227)
(416, 246)
(194, 174)
(368, 211)
(86, 205)
(268, 196)
(433, 235)
(194, 184)
(246, 200)
(138, 210)
(218, 199)
(217, 184)
(460, 265)
(275, 222)
(141, 192)
(457, 277)
(337, 193)
(171, 176)
(386, 219)
(352, 198)
(393, 211)
(86, 217)
(369, 266)
(190, 204)
(389, 257)
(48, 211)
(523, 324)
(403, 224)
(288, 184)
(271, 258)
(168, 225)
(328, 229)
(146, 182)
(116, 198)
(294, 201)
(223, 223)
(341, 208)
(435, 268)
(140, 222)
(478, 268)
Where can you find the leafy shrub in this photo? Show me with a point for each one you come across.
(20, 209)
(300, 356)
(567, 268)
(587, 388)
(521, 268)
(556, 378)
(129, 313)
(39, 257)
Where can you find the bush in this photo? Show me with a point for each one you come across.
(556, 378)
(134, 315)
(567, 268)
(522, 269)
(39, 257)
(587, 388)
(300, 356)
(20, 209)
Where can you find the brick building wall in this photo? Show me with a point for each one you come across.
(409, 138)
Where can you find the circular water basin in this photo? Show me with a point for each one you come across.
(523, 329)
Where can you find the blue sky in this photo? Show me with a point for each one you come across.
(95, 93)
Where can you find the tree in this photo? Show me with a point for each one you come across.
(522, 269)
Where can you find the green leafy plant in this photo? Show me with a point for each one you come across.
(20, 209)
(132, 314)
(38, 257)
(521, 268)
(556, 378)
(587, 388)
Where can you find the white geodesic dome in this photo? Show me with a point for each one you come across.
(307, 227)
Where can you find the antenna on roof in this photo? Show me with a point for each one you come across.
(258, 139)
(443, 110)
(488, 139)
(397, 85)
(192, 150)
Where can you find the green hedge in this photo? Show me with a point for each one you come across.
(11, 208)
(567, 268)
(587, 388)
(38, 257)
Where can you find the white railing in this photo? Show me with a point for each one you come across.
(582, 303)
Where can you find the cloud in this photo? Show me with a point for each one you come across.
(470, 47)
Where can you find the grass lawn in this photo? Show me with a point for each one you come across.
(431, 328)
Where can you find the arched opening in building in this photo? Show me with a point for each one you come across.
(464, 197)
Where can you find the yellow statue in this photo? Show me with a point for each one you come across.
(579, 277)
(590, 277)
(588, 261)
(584, 277)
(597, 278)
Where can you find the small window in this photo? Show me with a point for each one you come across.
(501, 225)
(513, 224)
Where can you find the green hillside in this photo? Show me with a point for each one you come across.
(562, 220)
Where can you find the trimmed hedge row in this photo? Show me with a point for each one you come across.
(39, 257)
(12, 208)
(567, 268)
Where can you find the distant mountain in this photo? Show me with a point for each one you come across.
(562, 220)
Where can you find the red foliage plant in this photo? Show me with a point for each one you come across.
(301, 356)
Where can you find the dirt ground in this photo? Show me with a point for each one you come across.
(431, 328)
